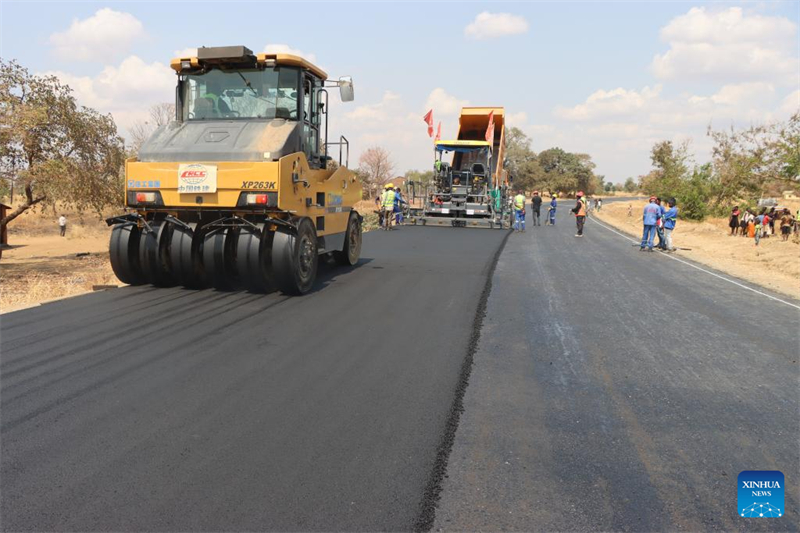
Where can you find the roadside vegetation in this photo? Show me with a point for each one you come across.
(747, 165)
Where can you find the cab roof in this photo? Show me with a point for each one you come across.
(240, 56)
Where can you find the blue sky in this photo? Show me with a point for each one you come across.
(606, 78)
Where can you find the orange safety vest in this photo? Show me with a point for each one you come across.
(582, 210)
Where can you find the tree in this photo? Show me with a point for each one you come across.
(141, 130)
(671, 169)
(630, 185)
(51, 148)
(374, 168)
(520, 161)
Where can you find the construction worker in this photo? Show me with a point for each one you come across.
(580, 212)
(536, 206)
(519, 211)
(650, 217)
(551, 213)
(398, 206)
(387, 206)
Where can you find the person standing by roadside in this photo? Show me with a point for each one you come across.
(744, 222)
(536, 207)
(650, 217)
(772, 216)
(670, 217)
(551, 212)
(580, 213)
(62, 225)
(599, 204)
(786, 224)
(733, 221)
(387, 206)
(660, 226)
(519, 211)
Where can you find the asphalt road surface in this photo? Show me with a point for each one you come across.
(614, 389)
(610, 390)
(144, 409)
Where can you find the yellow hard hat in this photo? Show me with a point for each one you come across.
(389, 186)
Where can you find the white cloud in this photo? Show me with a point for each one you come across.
(616, 103)
(728, 45)
(791, 104)
(444, 104)
(185, 52)
(376, 113)
(126, 90)
(490, 25)
(105, 36)
(518, 119)
(286, 49)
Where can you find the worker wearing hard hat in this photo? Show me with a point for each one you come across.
(519, 211)
(387, 205)
(580, 213)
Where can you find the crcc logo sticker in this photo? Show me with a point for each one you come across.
(197, 178)
(760, 494)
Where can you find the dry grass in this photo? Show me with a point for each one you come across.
(41, 265)
(367, 209)
(25, 284)
(773, 263)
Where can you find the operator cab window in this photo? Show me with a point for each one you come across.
(248, 93)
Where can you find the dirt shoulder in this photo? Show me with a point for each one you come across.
(772, 264)
(40, 265)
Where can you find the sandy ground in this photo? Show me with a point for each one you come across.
(773, 263)
(40, 265)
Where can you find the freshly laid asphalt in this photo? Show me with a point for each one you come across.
(608, 389)
(621, 390)
(144, 409)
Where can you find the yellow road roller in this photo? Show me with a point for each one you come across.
(240, 190)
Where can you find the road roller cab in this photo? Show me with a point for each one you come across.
(240, 189)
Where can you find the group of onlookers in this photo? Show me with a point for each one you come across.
(659, 221)
(762, 225)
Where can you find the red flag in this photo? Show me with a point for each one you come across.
(428, 118)
(438, 132)
(490, 128)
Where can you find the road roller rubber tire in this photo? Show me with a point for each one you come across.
(184, 253)
(154, 247)
(254, 259)
(217, 260)
(351, 251)
(124, 254)
(295, 258)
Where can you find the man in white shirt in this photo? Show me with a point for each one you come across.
(62, 224)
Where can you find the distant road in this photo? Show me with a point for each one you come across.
(619, 390)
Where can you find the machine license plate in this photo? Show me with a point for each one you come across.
(470, 211)
(197, 178)
(446, 211)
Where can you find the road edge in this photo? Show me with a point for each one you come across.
(433, 488)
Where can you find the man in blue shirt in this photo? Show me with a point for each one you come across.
(650, 217)
(670, 216)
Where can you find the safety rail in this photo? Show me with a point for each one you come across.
(342, 142)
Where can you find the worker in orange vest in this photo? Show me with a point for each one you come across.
(580, 213)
